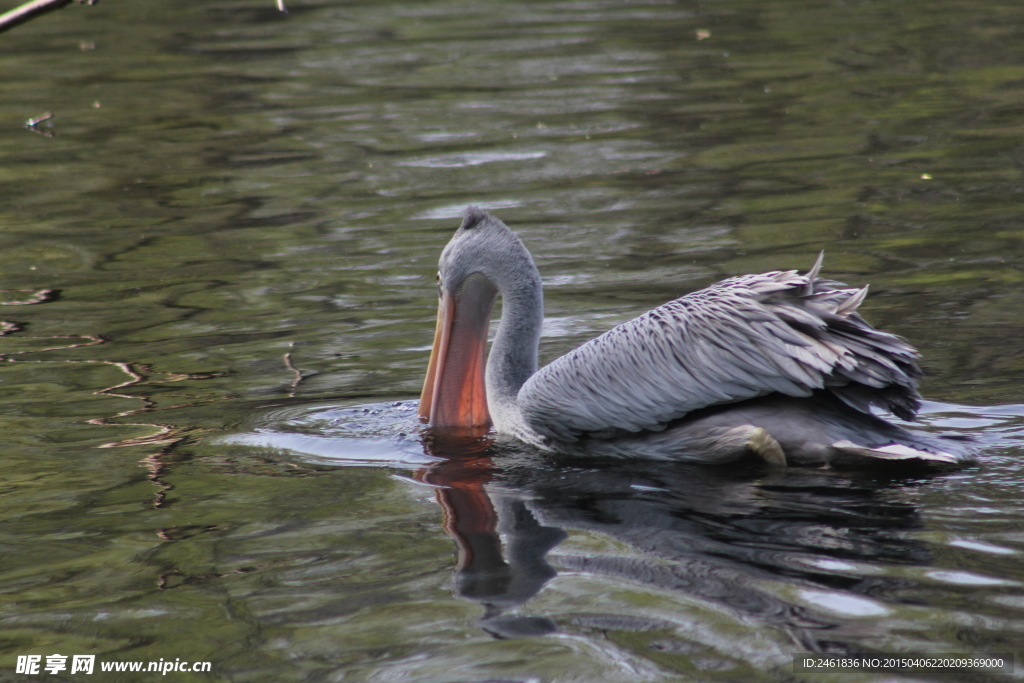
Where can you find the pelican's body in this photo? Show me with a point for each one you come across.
(778, 364)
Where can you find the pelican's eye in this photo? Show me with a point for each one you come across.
(438, 284)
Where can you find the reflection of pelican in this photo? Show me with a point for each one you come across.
(777, 364)
(501, 579)
(727, 547)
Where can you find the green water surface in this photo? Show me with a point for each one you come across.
(235, 211)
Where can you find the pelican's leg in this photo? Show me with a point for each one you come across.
(725, 445)
(764, 445)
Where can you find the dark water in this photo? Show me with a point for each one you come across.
(218, 286)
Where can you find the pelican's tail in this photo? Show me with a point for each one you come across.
(849, 453)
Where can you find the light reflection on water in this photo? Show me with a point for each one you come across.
(808, 557)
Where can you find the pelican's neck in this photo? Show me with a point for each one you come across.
(513, 357)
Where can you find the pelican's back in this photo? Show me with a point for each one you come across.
(741, 338)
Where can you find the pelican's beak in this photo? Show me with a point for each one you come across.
(454, 394)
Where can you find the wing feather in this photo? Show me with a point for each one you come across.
(744, 337)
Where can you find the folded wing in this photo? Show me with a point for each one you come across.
(744, 337)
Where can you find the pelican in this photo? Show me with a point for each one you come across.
(778, 366)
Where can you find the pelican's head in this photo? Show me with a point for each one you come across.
(482, 258)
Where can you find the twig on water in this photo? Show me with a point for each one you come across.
(288, 364)
(31, 10)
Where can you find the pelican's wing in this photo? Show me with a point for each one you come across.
(744, 337)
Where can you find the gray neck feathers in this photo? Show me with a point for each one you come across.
(513, 356)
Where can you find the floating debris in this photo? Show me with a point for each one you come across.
(33, 123)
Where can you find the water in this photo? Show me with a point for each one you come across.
(225, 254)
